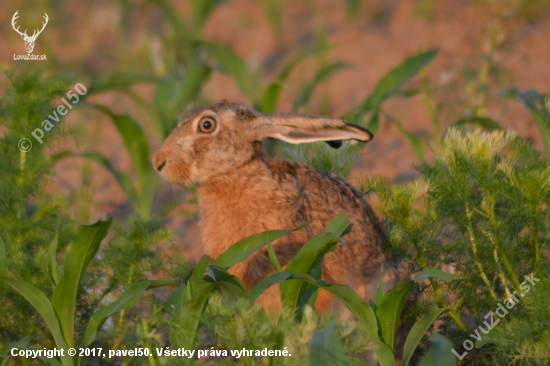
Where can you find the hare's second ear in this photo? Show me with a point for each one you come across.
(298, 128)
(335, 144)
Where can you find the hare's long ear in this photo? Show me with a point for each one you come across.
(300, 128)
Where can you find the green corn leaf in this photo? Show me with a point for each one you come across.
(389, 311)
(440, 353)
(3, 265)
(173, 17)
(165, 108)
(124, 180)
(41, 303)
(361, 309)
(80, 252)
(436, 273)
(309, 293)
(128, 299)
(273, 279)
(352, 8)
(270, 98)
(390, 84)
(185, 326)
(357, 113)
(227, 283)
(5, 352)
(117, 81)
(486, 123)
(133, 138)
(201, 11)
(378, 295)
(374, 122)
(231, 63)
(173, 95)
(48, 361)
(197, 276)
(304, 95)
(416, 143)
(532, 99)
(339, 225)
(53, 267)
(407, 93)
(273, 257)
(417, 332)
(325, 348)
(138, 148)
(396, 77)
(294, 295)
(174, 302)
(241, 250)
(193, 81)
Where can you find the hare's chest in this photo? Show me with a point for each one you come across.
(226, 219)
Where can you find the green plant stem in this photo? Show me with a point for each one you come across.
(498, 244)
(481, 97)
(147, 343)
(430, 104)
(473, 243)
(537, 243)
(123, 312)
(437, 291)
(273, 257)
(22, 160)
(503, 278)
(140, 101)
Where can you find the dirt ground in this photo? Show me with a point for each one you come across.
(382, 35)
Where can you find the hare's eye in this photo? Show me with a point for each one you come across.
(207, 125)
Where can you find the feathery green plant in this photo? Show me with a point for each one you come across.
(480, 209)
(59, 314)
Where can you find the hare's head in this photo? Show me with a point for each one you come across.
(215, 139)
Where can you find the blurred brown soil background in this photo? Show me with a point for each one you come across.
(511, 37)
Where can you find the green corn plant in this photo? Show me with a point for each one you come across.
(59, 313)
(326, 349)
(390, 86)
(273, 11)
(388, 309)
(269, 99)
(299, 282)
(535, 102)
(339, 161)
(137, 146)
(186, 31)
(323, 74)
(120, 80)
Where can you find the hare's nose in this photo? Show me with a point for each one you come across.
(159, 160)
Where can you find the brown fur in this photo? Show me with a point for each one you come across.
(242, 192)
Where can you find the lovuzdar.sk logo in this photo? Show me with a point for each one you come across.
(29, 40)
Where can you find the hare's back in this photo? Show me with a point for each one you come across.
(321, 196)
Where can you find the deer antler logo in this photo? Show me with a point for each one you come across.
(29, 40)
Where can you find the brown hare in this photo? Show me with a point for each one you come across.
(243, 192)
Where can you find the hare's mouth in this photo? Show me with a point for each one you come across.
(177, 172)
